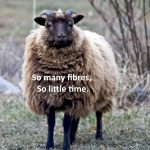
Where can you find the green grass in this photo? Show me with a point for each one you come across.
(23, 130)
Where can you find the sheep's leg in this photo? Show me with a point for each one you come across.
(67, 128)
(51, 125)
(98, 134)
(74, 127)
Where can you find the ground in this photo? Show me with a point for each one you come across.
(22, 130)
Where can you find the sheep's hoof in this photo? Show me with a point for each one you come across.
(72, 140)
(49, 146)
(98, 137)
(66, 146)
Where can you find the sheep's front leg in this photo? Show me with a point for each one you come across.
(67, 128)
(98, 135)
(74, 127)
(51, 125)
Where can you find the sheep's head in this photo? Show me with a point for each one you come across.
(59, 25)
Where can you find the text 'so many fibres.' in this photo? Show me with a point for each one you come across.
(73, 77)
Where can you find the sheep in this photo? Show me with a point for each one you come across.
(59, 47)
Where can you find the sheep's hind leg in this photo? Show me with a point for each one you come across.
(67, 128)
(74, 127)
(51, 125)
(99, 135)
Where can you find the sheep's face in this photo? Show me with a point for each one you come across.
(60, 30)
(59, 26)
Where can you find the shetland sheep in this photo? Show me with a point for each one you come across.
(62, 48)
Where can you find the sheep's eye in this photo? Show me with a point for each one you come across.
(70, 24)
(50, 24)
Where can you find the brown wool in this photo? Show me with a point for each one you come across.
(88, 55)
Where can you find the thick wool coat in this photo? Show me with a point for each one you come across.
(89, 54)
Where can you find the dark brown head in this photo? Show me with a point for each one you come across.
(59, 26)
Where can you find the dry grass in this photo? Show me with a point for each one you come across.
(22, 130)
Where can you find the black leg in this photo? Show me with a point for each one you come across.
(67, 128)
(74, 127)
(51, 125)
(98, 134)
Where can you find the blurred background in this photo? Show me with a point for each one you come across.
(126, 26)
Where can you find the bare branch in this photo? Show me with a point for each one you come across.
(146, 36)
(101, 13)
(130, 40)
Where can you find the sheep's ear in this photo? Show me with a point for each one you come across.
(40, 20)
(77, 18)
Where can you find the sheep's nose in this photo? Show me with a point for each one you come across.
(62, 36)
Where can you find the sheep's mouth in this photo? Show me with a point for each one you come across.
(62, 43)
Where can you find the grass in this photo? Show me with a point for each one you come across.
(23, 130)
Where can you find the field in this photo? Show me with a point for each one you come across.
(22, 130)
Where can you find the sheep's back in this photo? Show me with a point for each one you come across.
(104, 71)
